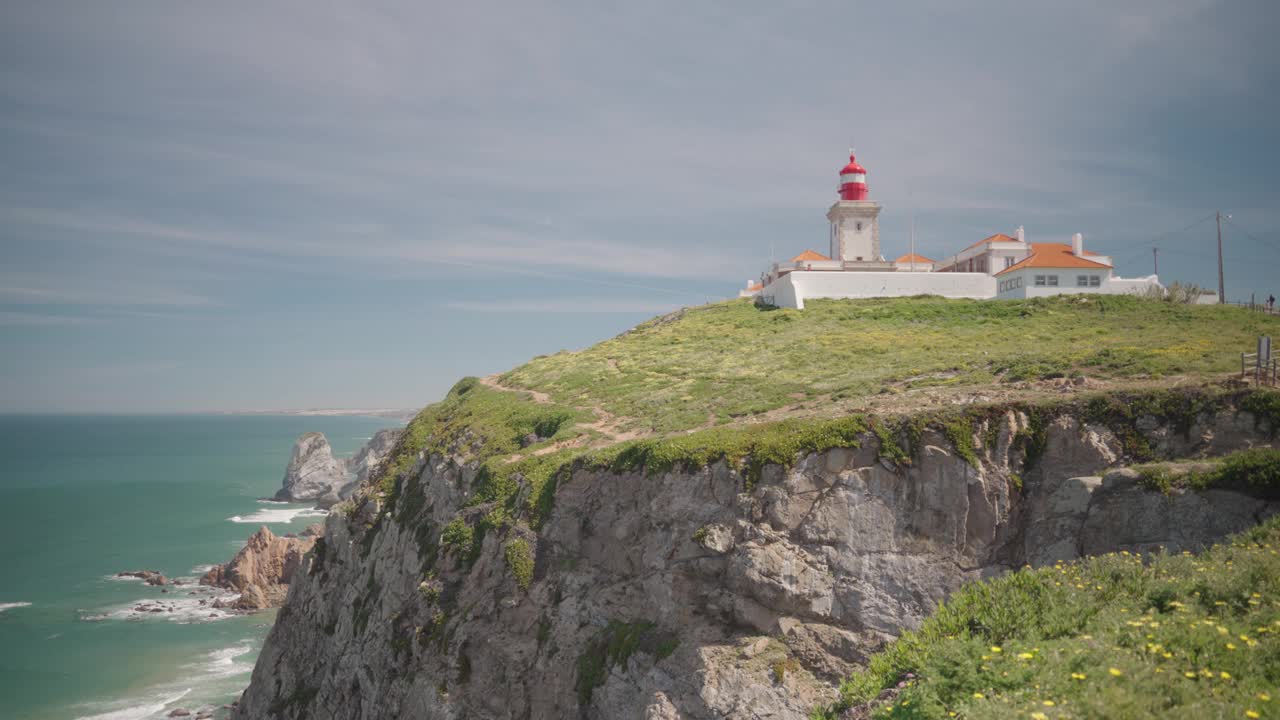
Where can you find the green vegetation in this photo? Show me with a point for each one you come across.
(1176, 636)
(459, 537)
(753, 387)
(613, 647)
(733, 360)
(1256, 470)
(520, 561)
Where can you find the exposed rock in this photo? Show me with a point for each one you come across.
(735, 599)
(371, 454)
(313, 472)
(261, 571)
(150, 577)
(315, 475)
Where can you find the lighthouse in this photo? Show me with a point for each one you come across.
(853, 180)
(855, 222)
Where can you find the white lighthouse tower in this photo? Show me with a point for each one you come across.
(855, 222)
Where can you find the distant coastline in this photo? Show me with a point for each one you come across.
(396, 413)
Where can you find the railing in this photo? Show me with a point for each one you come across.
(1264, 372)
(1256, 307)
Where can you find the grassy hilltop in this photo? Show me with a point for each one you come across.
(732, 361)
(736, 381)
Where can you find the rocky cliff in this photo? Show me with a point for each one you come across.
(713, 591)
(371, 454)
(315, 475)
(261, 571)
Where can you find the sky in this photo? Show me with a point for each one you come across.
(298, 204)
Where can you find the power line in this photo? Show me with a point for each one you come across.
(1255, 238)
(1142, 250)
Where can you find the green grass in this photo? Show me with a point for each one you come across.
(1256, 470)
(1177, 636)
(733, 360)
(519, 558)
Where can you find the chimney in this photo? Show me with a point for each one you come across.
(1077, 245)
(749, 283)
(1020, 234)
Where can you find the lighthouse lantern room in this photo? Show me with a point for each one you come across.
(855, 222)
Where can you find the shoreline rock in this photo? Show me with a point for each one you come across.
(150, 577)
(261, 571)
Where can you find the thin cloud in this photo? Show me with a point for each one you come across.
(564, 306)
(27, 319)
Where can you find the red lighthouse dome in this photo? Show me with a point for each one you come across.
(853, 180)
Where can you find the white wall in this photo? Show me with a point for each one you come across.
(1067, 283)
(793, 289)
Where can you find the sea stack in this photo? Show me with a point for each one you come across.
(313, 473)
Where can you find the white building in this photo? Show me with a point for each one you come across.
(1059, 268)
(999, 266)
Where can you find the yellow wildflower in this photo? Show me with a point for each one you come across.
(1115, 672)
(1224, 675)
(996, 648)
(1078, 676)
(1026, 656)
(979, 696)
(1048, 703)
(1039, 716)
(1252, 714)
(1263, 697)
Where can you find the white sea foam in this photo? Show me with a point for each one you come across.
(269, 501)
(283, 515)
(206, 683)
(201, 569)
(151, 706)
(12, 605)
(182, 609)
(222, 663)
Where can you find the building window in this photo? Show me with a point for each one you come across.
(1039, 280)
(1009, 262)
(1053, 281)
(1082, 281)
(1094, 281)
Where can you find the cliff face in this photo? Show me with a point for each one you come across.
(699, 594)
(370, 455)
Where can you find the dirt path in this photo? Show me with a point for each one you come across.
(606, 423)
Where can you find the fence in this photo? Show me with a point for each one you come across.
(1261, 364)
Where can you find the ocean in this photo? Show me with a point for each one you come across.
(85, 497)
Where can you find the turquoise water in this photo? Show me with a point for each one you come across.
(86, 497)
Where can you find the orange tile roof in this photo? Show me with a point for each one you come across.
(908, 258)
(1054, 255)
(809, 255)
(755, 286)
(998, 237)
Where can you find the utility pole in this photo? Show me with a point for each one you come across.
(1155, 258)
(913, 240)
(1222, 288)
